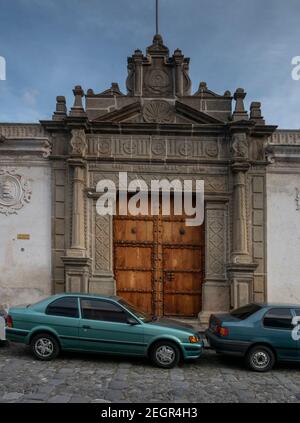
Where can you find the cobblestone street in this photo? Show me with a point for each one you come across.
(85, 378)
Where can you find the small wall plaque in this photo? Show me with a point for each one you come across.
(23, 237)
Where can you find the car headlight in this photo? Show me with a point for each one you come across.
(194, 339)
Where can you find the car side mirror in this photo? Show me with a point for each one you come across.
(132, 322)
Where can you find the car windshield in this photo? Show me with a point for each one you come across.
(243, 313)
(145, 317)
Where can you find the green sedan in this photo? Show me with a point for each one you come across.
(108, 325)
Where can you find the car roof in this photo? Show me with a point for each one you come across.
(84, 295)
(277, 305)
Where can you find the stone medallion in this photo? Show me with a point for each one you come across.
(15, 192)
(158, 112)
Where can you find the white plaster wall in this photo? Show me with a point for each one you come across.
(283, 238)
(25, 276)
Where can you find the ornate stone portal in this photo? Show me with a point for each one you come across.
(160, 130)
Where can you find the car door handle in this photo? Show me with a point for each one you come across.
(86, 327)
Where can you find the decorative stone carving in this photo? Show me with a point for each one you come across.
(14, 131)
(15, 192)
(158, 112)
(216, 249)
(212, 149)
(285, 137)
(213, 183)
(78, 142)
(158, 147)
(102, 243)
(158, 81)
(240, 148)
(144, 147)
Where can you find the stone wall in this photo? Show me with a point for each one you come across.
(283, 217)
(25, 215)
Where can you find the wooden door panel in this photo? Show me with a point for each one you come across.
(127, 257)
(142, 301)
(134, 230)
(133, 280)
(182, 305)
(187, 282)
(179, 233)
(182, 259)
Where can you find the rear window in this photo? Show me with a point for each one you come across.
(244, 312)
(66, 307)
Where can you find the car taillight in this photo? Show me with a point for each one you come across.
(223, 331)
(9, 321)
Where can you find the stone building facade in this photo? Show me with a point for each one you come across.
(158, 130)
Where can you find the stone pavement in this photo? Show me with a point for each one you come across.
(91, 378)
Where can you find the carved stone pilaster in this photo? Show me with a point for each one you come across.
(241, 269)
(215, 291)
(240, 167)
(77, 264)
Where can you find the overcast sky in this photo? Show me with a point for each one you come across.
(52, 45)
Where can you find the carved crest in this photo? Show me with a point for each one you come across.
(78, 142)
(15, 192)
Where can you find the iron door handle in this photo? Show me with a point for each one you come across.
(86, 327)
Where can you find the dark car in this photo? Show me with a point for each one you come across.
(262, 333)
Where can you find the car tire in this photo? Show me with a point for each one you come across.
(165, 354)
(44, 347)
(260, 359)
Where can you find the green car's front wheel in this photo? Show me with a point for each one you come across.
(165, 354)
(45, 347)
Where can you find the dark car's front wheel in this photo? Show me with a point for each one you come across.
(45, 347)
(260, 358)
(165, 354)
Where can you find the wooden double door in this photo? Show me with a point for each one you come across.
(159, 264)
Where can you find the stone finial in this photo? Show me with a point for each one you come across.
(255, 113)
(178, 56)
(61, 108)
(240, 112)
(77, 109)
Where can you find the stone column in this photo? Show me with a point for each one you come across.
(241, 269)
(77, 264)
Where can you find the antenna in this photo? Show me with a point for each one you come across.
(157, 17)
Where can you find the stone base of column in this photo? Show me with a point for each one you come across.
(241, 277)
(215, 299)
(77, 273)
(104, 284)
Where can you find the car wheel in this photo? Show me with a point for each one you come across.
(165, 354)
(260, 359)
(45, 347)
